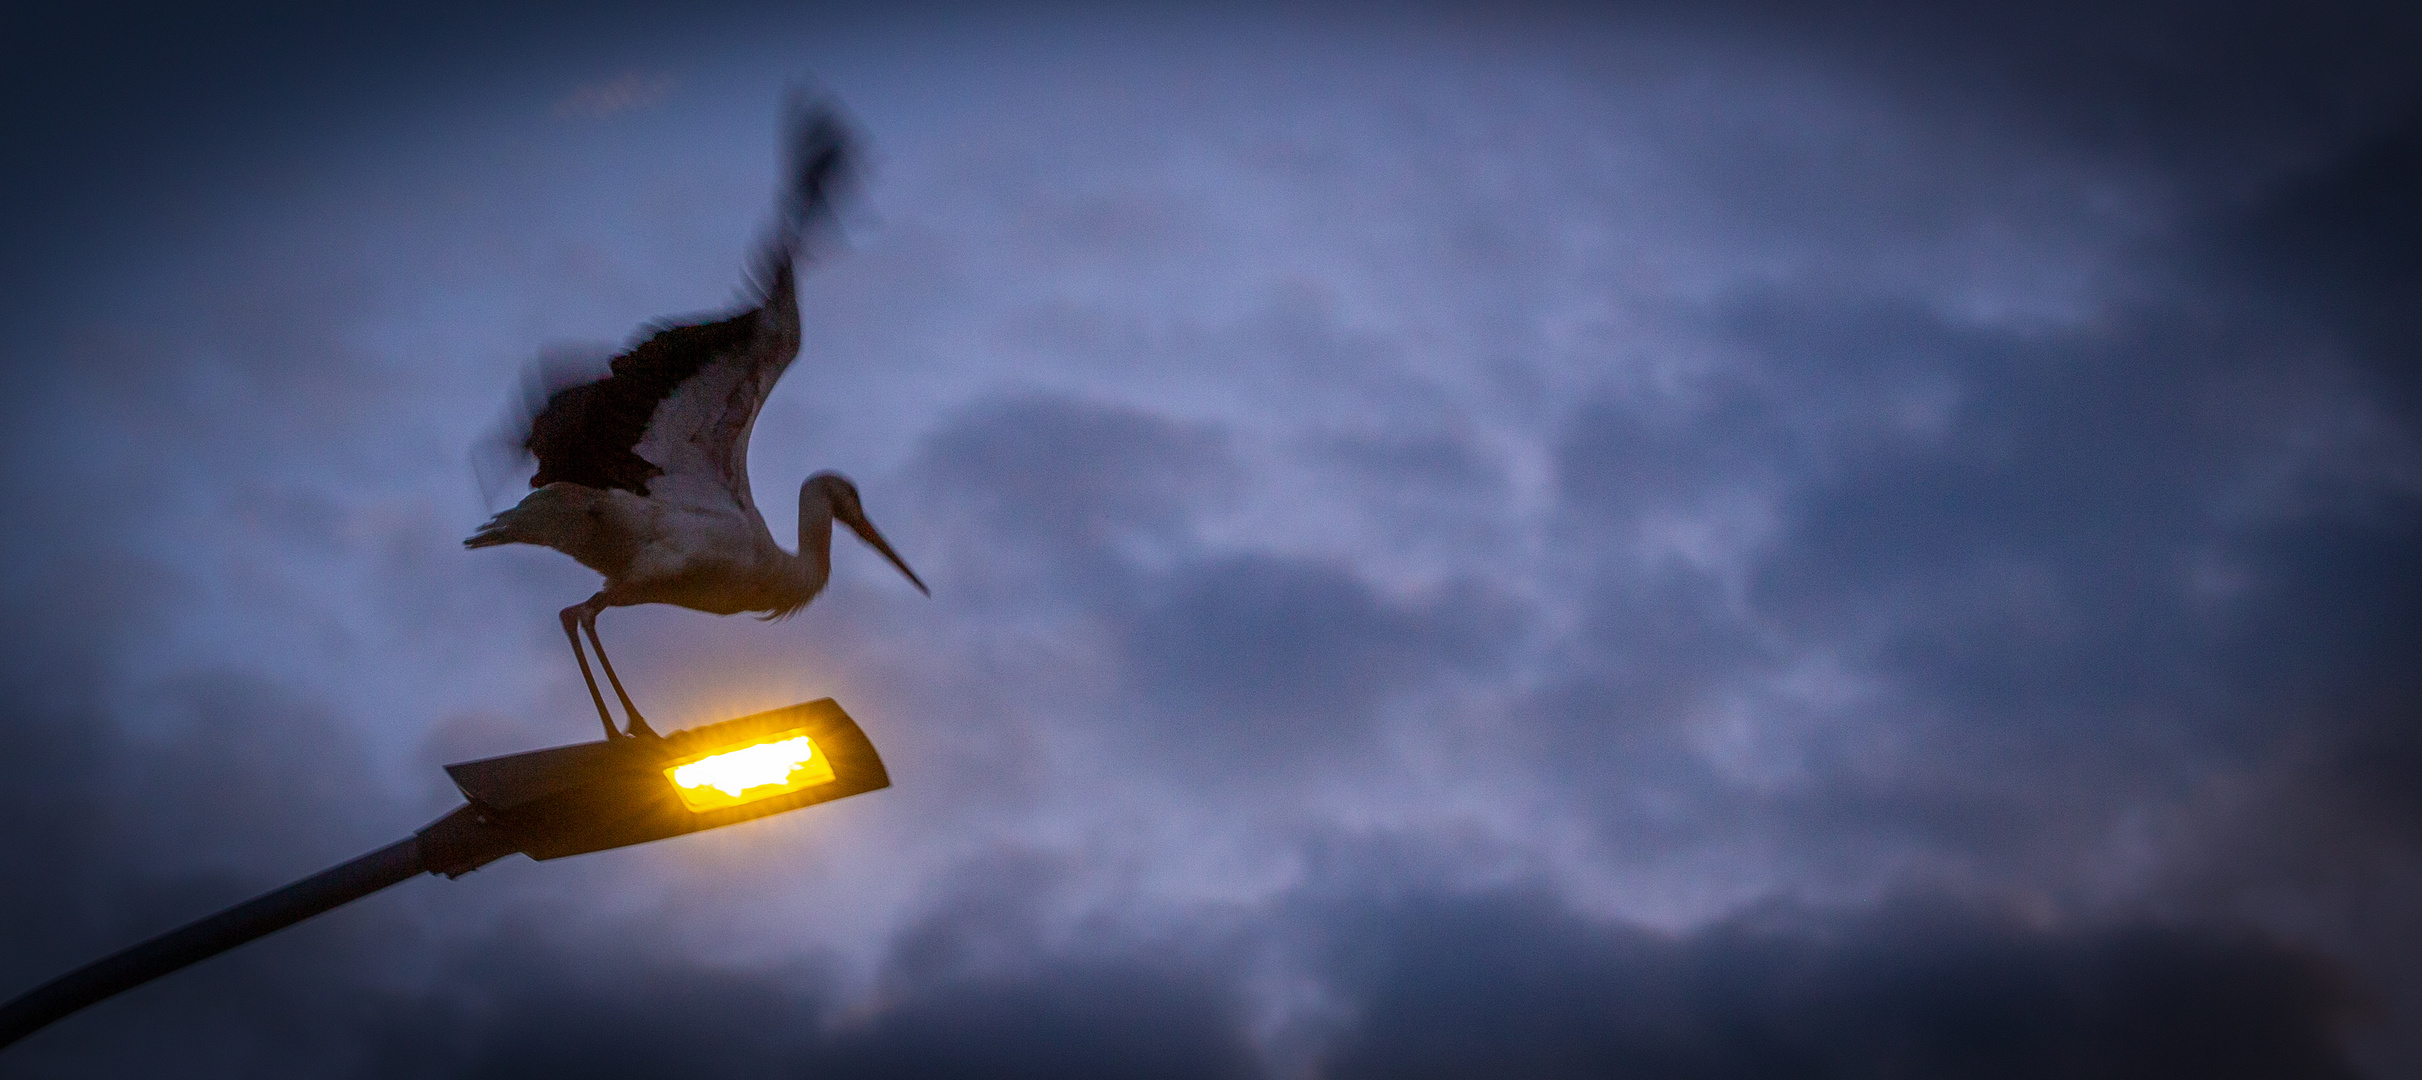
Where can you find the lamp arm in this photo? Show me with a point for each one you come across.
(453, 845)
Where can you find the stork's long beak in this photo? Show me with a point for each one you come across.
(866, 531)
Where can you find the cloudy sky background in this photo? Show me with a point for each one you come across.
(1569, 542)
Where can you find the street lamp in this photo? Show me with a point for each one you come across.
(546, 804)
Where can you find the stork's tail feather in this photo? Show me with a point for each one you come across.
(490, 534)
(499, 530)
(561, 516)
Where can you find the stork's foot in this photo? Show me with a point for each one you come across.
(640, 729)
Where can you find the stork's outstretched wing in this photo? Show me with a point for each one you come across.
(682, 403)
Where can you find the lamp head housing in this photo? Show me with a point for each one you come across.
(571, 800)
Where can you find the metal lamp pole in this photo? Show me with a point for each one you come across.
(546, 804)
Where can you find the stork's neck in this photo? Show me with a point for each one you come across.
(815, 559)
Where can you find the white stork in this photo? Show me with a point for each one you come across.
(643, 474)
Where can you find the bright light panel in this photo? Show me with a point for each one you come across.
(774, 765)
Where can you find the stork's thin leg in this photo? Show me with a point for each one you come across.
(639, 724)
(571, 622)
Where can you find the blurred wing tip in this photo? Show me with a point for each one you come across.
(501, 460)
(498, 463)
(823, 157)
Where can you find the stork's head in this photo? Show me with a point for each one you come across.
(838, 493)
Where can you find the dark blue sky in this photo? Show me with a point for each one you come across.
(1657, 540)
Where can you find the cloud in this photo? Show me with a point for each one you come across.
(1510, 985)
(2338, 244)
(630, 91)
(1073, 1020)
(1070, 474)
(1265, 657)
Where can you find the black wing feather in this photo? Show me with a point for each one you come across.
(588, 434)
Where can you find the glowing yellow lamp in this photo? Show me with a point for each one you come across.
(774, 765)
